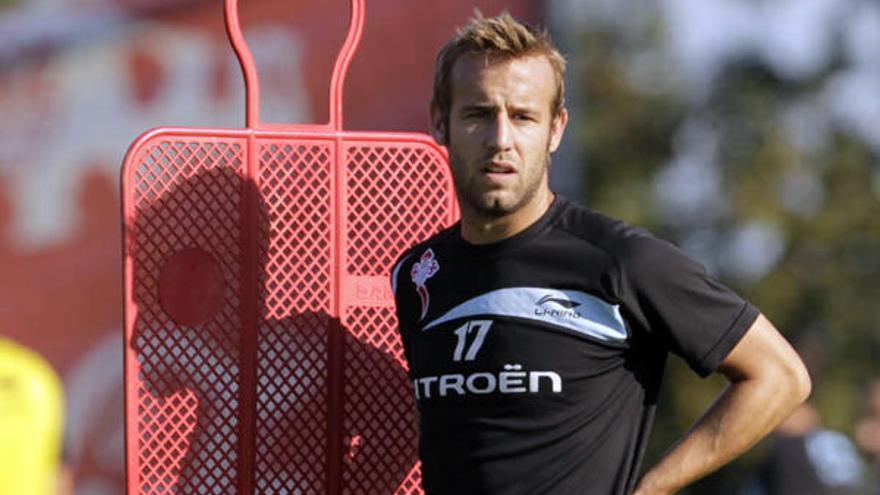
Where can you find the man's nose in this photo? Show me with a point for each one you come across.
(500, 135)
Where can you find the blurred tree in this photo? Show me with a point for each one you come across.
(627, 135)
(793, 224)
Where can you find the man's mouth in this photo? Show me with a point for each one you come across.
(498, 168)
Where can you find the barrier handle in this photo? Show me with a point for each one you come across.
(340, 68)
(246, 61)
(251, 78)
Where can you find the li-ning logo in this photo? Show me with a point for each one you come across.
(567, 307)
(422, 270)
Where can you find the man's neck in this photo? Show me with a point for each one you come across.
(478, 229)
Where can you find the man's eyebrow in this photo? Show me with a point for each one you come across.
(493, 106)
(525, 108)
(479, 104)
(485, 107)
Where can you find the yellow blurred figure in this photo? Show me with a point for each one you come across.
(31, 417)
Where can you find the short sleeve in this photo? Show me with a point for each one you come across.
(672, 296)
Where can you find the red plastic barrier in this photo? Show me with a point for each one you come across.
(261, 347)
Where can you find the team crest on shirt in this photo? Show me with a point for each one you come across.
(422, 270)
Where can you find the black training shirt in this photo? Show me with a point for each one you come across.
(536, 361)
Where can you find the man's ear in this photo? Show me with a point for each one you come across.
(557, 129)
(438, 126)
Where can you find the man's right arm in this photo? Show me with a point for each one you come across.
(767, 382)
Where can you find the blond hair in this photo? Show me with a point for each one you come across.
(498, 38)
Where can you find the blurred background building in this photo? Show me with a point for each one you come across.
(745, 131)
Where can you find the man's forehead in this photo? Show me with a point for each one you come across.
(475, 73)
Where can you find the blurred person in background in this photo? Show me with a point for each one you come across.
(31, 425)
(806, 459)
(868, 433)
(803, 457)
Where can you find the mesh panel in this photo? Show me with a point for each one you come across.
(171, 422)
(187, 196)
(295, 185)
(379, 420)
(397, 194)
(413, 482)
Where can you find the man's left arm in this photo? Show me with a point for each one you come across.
(767, 381)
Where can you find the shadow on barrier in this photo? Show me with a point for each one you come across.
(213, 403)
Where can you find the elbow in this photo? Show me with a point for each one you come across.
(798, 382)
(806, 385)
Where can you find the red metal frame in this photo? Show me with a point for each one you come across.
(261, 353)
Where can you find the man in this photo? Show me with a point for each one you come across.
(537, 330)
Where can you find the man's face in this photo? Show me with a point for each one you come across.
(500, 132)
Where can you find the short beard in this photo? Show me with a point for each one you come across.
(495, 209)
